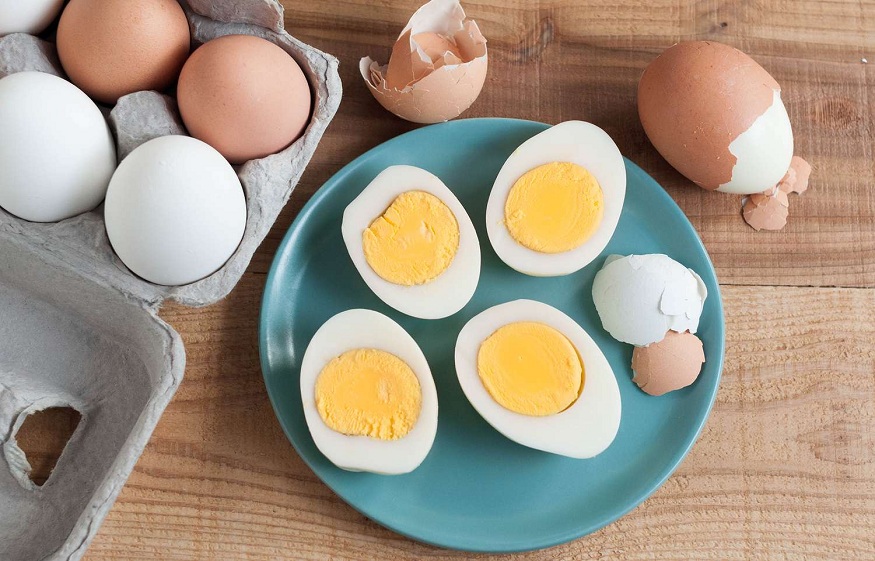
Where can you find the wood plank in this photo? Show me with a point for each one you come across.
(555, 60)
(783, 470)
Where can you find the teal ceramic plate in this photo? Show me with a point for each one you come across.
(477, 490)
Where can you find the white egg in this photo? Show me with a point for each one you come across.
(357, 329)
(27, 16)
(576, 142)
(763, 152)
(56, 150)
(448, 292)
(584, 429)
(175, 210)
(641, 297)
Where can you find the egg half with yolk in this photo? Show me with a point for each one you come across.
(369, 398)
(539, 379)
(556, 201)
(413, 243)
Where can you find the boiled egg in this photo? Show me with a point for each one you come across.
(413, 243)
(539, 379)
(556, 201)
(369, 398)
(717, 117)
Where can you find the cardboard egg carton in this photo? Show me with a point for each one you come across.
(78, 329)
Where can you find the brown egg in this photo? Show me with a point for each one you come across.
(244, 96)
(717, 117)
(668, 365)
(110, 48)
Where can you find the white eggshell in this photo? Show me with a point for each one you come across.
(27, 16)
(763, 152)
(355, 329)
(577, 142)
(640, 297)
(56, 151)
(583, 430)
(451, 290)
(175, 210)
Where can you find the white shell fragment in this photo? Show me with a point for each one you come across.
(641, 297)
(427, 86)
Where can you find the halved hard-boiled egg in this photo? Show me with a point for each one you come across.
(556, 201)
(539, 379)
(413, 243)
(368, 394)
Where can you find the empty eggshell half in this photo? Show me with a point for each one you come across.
(668, 365)
(641, 297)
(437, 67)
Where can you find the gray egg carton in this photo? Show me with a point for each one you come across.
(78, 329)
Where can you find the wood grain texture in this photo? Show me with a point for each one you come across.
(785, 468)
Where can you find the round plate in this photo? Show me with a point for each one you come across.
(477, 490)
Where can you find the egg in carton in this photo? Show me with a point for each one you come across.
(80, 330)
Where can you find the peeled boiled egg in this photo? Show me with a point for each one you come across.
(111, 48)
(717, 117)
(556, 201)
(369, 398)
(175, 210)
(244, 96)
(57, 153)
(413, 243)
(32, 16)
(539, 379)
(641, 297)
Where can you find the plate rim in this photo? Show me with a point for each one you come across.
(569, 536)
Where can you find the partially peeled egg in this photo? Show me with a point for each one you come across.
(368, 394)
(717, 117)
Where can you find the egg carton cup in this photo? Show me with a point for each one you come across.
(78, 329)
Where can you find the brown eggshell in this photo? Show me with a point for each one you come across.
(437, 67)
(110, 48)
(668, 365)
(244, 96)
(695, 99)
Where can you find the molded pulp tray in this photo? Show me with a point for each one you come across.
(78, 329)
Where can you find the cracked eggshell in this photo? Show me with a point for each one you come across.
(668, 365)
(717, 117)
(424, 86)
(641, 297)
(357, 329)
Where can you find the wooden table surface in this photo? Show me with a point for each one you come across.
(785, 468)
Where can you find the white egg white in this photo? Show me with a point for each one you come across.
(356, 329)
(640, 297)
(577, 142)
(763, 152)
(583, 430)
(451, 290)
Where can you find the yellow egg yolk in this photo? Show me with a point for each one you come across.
(369, 392)
(554, 207)
(530, 368)
(414, 240)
